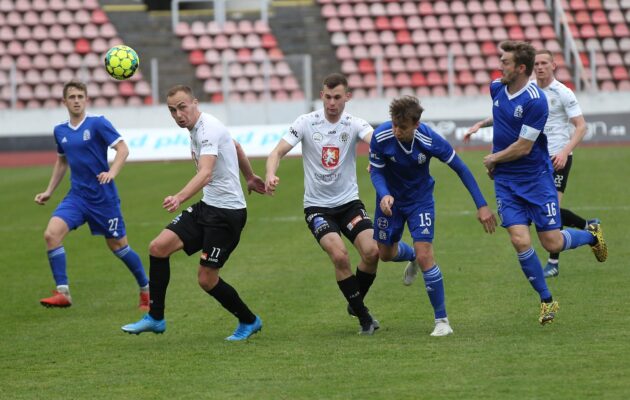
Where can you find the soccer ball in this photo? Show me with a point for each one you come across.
(121, 62)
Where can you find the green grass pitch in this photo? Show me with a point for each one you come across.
(309, 347)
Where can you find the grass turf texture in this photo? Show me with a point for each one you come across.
(309, 347)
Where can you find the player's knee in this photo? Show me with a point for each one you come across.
(156, 249)
(425, 260)
(520, 242)
(340, 259)
(207, 281)
(553, 244)
(371, 256)
(51, 239)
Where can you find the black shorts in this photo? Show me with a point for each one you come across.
(349, 219)
(215, 231)
(561, 177)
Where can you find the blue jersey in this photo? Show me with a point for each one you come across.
(405, 166)
(522, 114)
(85, 148)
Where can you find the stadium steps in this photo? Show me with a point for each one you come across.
(300, 29)
(151, 35)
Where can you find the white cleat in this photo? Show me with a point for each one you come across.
(442, 328)
(411, 272)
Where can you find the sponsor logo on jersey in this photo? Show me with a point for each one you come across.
(86, 135)
(344, 137)
(310, 217)
(330, 156)
(64, 140)
(382, 222)
(293, 131)
(421, 158)
(332, 132)
(319, 224)
(382, 235)
(518, 111)
(317, 137)
(552, 221)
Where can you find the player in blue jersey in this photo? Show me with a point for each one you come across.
(82, 144)
(400, 153)
(523, 174)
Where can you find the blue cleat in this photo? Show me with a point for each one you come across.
(146, 324)
(244, 331)
(551, 270)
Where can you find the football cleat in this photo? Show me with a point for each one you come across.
(548, 312)
(442, 328)
(58, 299)
(244, 331)
(411, 272)
(369, 327)
(599, 248)
(146, 324)
(551, 270)
(145, 301)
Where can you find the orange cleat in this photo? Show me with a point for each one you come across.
(144, 301)
(58, 299)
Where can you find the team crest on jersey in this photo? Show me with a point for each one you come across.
(86, 134)
(382, 223)
(518, 111)
(421, 158)
(344, 137)
(317, 137)
(330, 156)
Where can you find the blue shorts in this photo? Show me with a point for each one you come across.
(420, 218)
(103, 219)
(521, 203)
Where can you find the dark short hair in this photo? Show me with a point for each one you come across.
(74, 84)
(406, 108)
(335, 79)
(180, 88)
(524, 53)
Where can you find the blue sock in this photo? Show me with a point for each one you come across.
(533, 272)
(57, 260)
(575, 238)
(405, 252)
(133, 262)
(435, 289)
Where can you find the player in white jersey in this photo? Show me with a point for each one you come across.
(565, 129)
(212, 225)
(329, 138)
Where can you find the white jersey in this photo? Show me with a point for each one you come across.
(563, 105)
(211, 137)
(329, 157)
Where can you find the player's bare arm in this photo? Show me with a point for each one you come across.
(475, 128)
(254, 182)
(122, 152)
(59, 170)
(272, 164)
(201, 179)
(516, 150)
(560, 159)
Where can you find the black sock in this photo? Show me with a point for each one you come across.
(572, 220)
(364, 280)
(350, 289)
(230, 300)
(554, 256)
(159, 276)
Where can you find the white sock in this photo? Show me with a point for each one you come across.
(65, 289)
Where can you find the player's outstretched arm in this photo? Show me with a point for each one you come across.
(205, 166)
(475, 128)
(484, 215)
(254, 182)
(122, 152)
(59, 170)
(272, 164)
